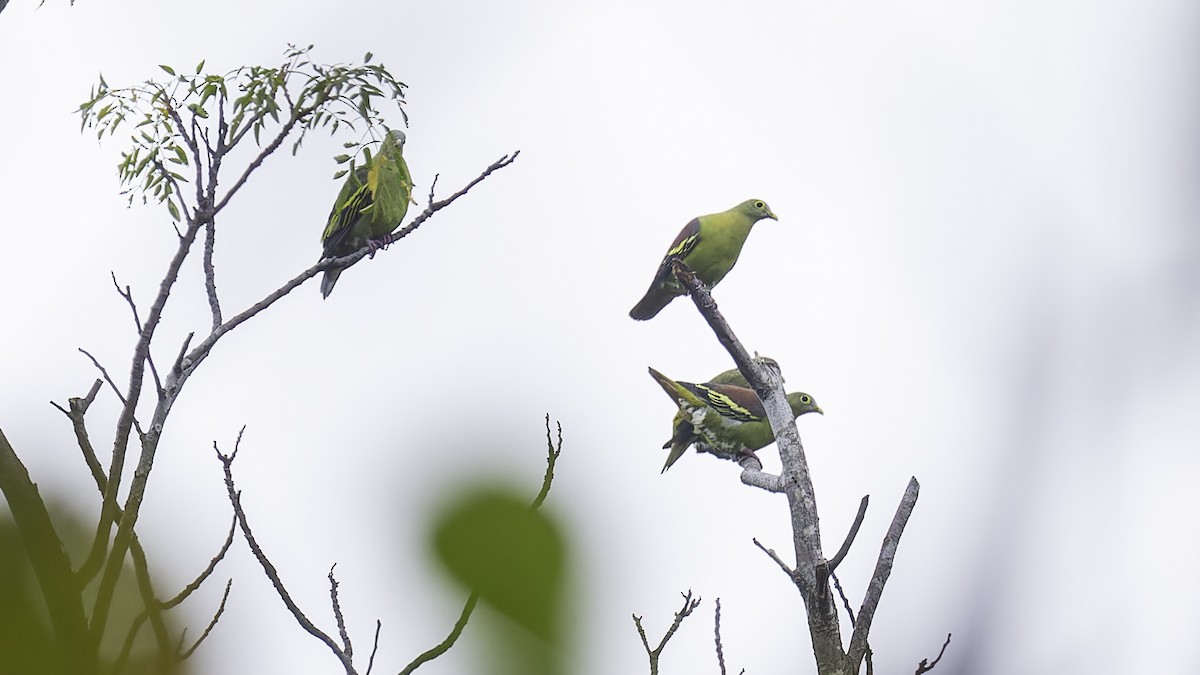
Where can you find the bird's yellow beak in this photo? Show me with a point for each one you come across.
(772, 215)
(817, 409)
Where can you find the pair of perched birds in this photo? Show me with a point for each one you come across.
(724, 412)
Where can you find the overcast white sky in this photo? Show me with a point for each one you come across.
(986, 270)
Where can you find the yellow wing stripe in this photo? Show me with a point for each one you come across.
(726, 406)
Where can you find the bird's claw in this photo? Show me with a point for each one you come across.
(374, 245)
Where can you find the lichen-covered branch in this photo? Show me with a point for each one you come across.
(795, 478)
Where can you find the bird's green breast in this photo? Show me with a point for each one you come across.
(721, 238)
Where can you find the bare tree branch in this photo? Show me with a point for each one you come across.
(883, 569)
(791, 574)
(375, 647)
(717, 632)
(210, 273)
(445, 645)
(235, 498)
(127, 294)
(434, 207)
(689, 605)
(826, 568)
(925, 667)
(211, 624)
(212, 565)
(347, 647)
(858, 519)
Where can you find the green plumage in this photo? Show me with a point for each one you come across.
(371, 204)
(734, 376)
(709, 246)
(728, 417)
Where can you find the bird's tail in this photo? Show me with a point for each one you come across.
(327, 282)
(683, 437)
(652, 303)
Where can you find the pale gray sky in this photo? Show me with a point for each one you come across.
(985, 270)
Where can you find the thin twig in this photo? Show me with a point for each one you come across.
(445, 645)
(235, 498)
(552, 454)
(178, 365)
(211, 624)
(837, 584)
(717, 634)
(923, 668)
(375, 647)
(689, 605)
(212, 565)
(778, 561)
(433, 207)
(104, 373)
(127, 294)
(826, 568)
(337, 614)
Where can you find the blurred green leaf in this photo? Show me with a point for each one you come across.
(514, 557)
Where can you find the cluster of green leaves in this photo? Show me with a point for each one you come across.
(194, 119)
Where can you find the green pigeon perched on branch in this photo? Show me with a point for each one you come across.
(709, 246)
(370, 206)
(729, 418)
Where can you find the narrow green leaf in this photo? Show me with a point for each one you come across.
(341, 159)
(169, 69)
(367, 57)
(199, 67)
(180, 154)
(340, 173)
(171, 202)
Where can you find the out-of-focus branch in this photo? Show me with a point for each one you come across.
(689, 605)
(49, 559)
(883, 569)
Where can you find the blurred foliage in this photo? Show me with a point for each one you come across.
(515, 558)
(28, 645)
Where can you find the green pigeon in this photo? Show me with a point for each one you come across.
(734, 376)
(709, 246)
(725, 416)
(370, 206)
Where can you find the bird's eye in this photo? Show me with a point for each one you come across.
(806, 399)
(759, 205)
